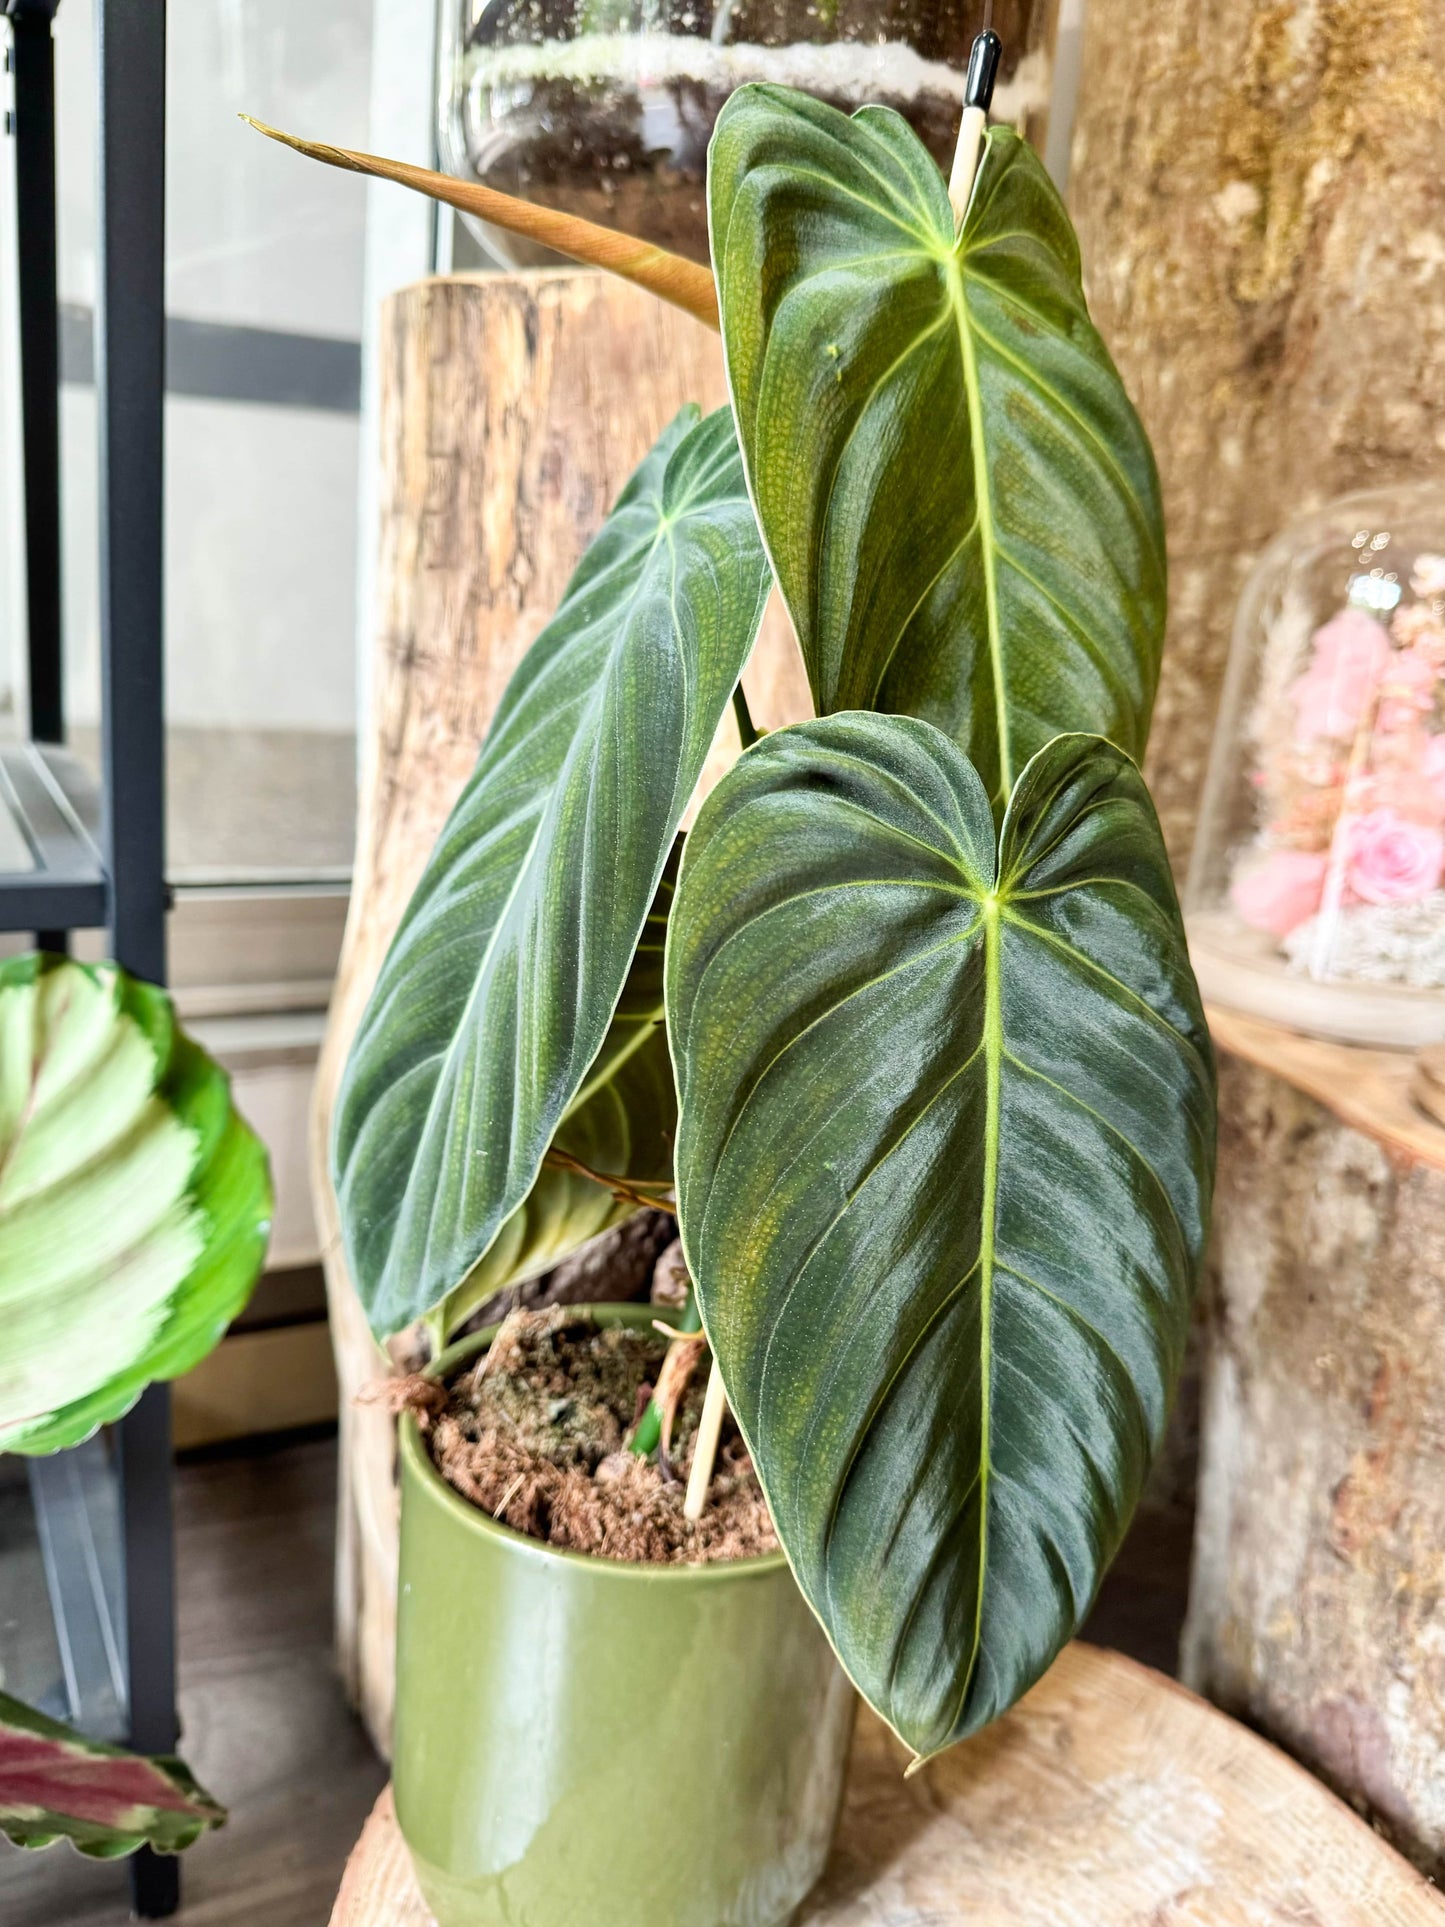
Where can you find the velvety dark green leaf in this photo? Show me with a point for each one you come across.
(134, 1202)
(56, 1785)
(621, 1124)
(958, 498)
(500, 988)
(944, 1159)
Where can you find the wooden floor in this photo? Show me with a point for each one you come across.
(267, 1729)
(266, 1726)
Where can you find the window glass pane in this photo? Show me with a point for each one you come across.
(264, 279)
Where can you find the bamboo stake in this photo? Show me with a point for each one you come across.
(965, 161)
(705, 1450)
(669, 276)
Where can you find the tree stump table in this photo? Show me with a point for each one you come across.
(1317, 1602)
(1109, 1797)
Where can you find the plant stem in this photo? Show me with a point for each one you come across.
(648, 1435)
(435, 1324)
(747, 728)
(705, 1450)
(646, 1194)
(646, 1438)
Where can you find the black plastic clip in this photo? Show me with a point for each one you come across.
(983, 70)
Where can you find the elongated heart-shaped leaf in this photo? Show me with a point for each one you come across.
(134, 1202)
(54, 1785)
(944, 1161)
(500, 987)
(958, 498)
(621, 1124)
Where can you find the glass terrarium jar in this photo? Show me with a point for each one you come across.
(604, 108)
(1317, 892)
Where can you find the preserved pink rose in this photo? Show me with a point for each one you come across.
(1392, 860)
(1281, 890)
(1351, 653)
(1408, 686)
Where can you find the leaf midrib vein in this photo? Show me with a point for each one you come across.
(983, 492)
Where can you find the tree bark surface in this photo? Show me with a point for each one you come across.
(1259, 187)
(513, 409)
(1317, 1607)
(1109, 1797)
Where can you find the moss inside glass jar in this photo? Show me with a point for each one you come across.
(604, 108)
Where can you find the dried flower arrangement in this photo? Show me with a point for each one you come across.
(1346, 870)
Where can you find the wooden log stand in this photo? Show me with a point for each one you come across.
(1256, 184)
(1259, 196)
(1317, 1607)
(1108, 1798)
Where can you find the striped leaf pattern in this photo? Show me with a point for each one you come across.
(54, 1785)
(134, 1202)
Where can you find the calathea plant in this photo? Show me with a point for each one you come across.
(135, 1205)
(944, 1092)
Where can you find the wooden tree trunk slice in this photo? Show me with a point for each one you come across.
(1109, 1797)
(1375, 1092)
(1259, 195)
(1317, 1600)
(513, 409)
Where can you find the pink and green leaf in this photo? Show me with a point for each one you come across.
(54, 1785)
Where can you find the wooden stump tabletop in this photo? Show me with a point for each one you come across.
(1370, 1090)
(1109, 1797)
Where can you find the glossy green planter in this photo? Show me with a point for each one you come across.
(585, 1743)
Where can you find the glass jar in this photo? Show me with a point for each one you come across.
(604, 108)
(1316, 896)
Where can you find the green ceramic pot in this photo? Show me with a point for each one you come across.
(584, 1743)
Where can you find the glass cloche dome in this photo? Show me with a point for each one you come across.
(604, 108)
(1316, 896)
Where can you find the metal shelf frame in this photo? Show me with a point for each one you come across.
(88, 857)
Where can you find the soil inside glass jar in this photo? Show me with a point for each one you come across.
(615, 126)
(590, 154)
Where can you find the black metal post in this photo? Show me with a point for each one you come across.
(130, 391)
(33, 64)
(31, 59)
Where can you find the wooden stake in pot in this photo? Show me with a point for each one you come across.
(705, 1450)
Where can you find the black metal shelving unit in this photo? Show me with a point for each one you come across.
(94, 855)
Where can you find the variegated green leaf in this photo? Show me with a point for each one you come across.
(501, 986)
(54, 1785)
(134, 1202)
(945, 1150)
(957, 496)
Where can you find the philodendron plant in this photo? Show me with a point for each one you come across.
(134, 1209)
(944, 1094)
